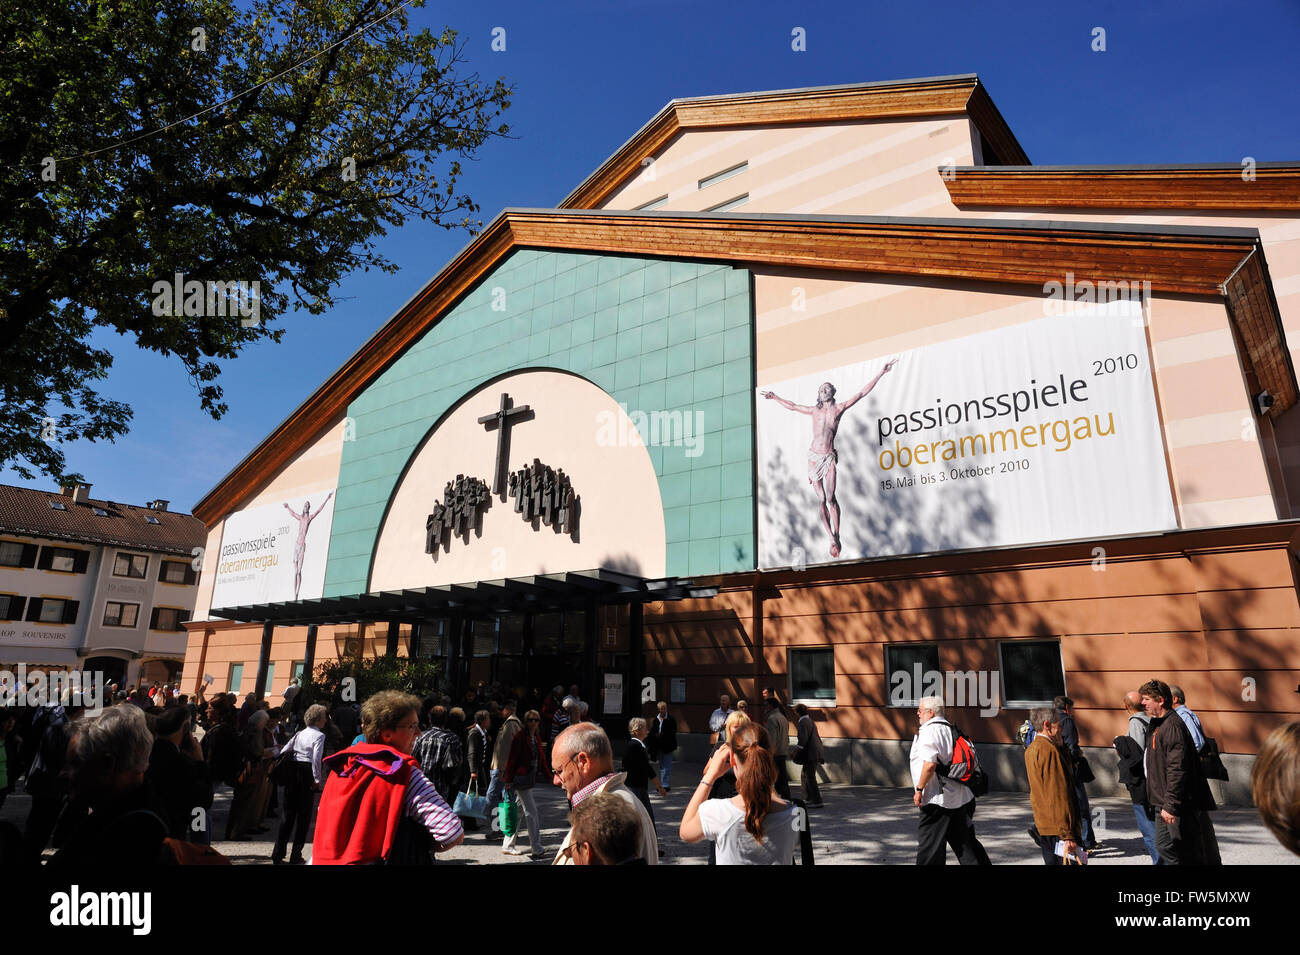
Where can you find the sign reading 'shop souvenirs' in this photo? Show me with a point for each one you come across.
(275, 552)
(1037, 432)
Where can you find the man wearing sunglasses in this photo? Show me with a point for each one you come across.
(582, 762)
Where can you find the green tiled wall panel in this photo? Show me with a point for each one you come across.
(656, 335)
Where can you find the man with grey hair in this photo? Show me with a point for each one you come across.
(582, 762)
(1191, 719)
(1051, 787)
(308, 779)
(947, 806)
(115, 817)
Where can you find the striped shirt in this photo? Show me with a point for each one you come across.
(590, 788)
(423, 804)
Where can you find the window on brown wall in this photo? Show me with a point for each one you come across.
(812, 676)
(906, 672)
(1032, 672)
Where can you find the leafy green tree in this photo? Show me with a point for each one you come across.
(370, 675)
(271, 141)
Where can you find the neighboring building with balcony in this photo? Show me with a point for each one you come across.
(95, 585)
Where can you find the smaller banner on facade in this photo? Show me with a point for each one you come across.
(275, 552)
(1038, 432)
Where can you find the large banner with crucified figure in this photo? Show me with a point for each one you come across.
(1043, 431)
(274, 552)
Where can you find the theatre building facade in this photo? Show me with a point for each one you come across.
(823, 390)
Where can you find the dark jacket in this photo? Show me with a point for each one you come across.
(1130, 768)
(665, 742)
(123, 831)
(45, 777)
(222, 751)
(478, 747)
(181, 784)
(1070, 738)
(520, 760)
(1175, 778)
(636, 763)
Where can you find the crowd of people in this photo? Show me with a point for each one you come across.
(398, 779)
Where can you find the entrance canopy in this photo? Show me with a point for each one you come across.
(537, 593)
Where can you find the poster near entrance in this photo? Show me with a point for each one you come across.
(275, 552)
(1043, 431)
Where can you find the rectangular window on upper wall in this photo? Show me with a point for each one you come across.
(175, 572)
(727, 173)
(168, 618)
(131, 565)
(11, 606)
(729, 204)
(812, 677)
(64, 559)
(52, 610)
(1032, 672)
(296, 670)
(652, 204)
(17, 554)
(906, 669)
(236, 678)
(120, 614)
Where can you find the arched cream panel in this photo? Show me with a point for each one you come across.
(576, 427)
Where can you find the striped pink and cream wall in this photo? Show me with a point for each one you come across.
(1193, 353)
(893, 168)
(882, 167)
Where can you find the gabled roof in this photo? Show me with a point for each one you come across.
(1191, 260)
(27, 512)
(1266, 186)
(927, 96)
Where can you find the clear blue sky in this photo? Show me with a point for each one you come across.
(1180, 81)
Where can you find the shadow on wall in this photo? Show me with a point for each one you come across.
(1218, 622)
(870, 525)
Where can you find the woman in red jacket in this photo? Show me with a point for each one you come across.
(377, 806)
(521, 774)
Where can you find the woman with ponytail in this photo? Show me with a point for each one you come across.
(754, 827)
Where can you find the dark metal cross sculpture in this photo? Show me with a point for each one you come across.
(502, 421)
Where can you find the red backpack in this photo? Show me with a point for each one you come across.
(965, 765)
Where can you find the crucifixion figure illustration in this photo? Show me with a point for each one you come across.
(822, 456)
(502, 419)
(300, 545)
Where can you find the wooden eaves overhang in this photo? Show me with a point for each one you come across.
(1264, 187)
(896, 99)
(1216, 263)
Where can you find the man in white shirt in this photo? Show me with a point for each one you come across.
(309, 779)
(947, 806)
(718, 721)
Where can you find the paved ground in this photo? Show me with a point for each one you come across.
(860, 825)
